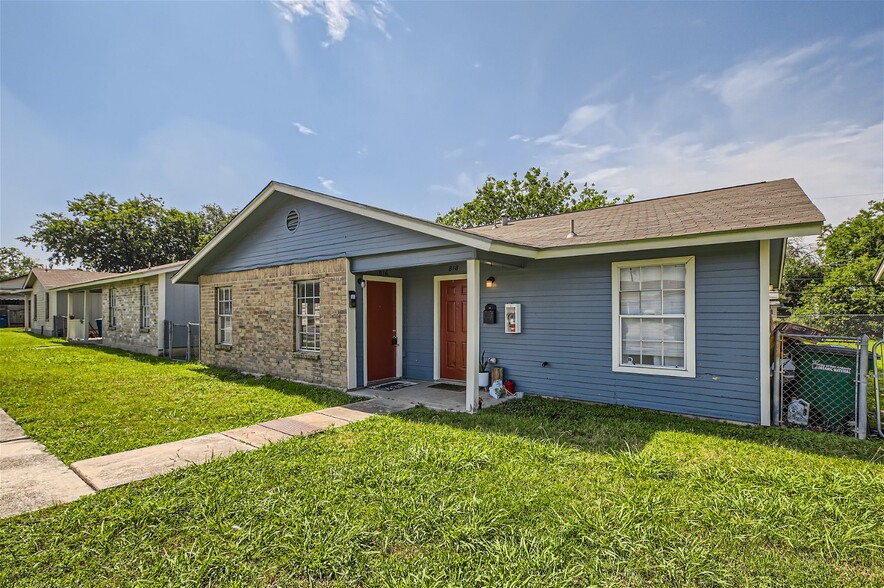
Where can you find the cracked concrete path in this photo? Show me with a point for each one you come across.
(30, 477)
(117, 469)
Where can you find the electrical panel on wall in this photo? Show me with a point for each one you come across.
(512, 318)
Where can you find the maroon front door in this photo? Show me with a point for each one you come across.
(453, 331)
(380, 330)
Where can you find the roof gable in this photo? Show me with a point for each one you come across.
(56, 278)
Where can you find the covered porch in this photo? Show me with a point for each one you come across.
(84, 314)
(417, 318)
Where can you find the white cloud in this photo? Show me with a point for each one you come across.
(518, 137)
(578, 121)
(303, 129)
(329, 186)
(338, 14)
(749, 81)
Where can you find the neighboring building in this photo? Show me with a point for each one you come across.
(137, 307)
(659, 303)
(46, 311)
(12, 302)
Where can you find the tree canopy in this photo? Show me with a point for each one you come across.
(531, 196)
(13, 262)
(102, 233)
(849, 255)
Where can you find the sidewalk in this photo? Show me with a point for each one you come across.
(30, 477)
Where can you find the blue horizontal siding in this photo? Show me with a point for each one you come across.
(566, 321)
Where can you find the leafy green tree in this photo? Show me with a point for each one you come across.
(802, 270)
(102, 233)
(531, 196)
(850, 253)
(13, 262)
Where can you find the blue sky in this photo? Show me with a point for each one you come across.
(409, 106)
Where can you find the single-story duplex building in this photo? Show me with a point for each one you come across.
(47, 309)
(137, 309)
(12, 301)
(660, 303)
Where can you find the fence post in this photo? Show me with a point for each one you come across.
(862, 374)
(777, 380)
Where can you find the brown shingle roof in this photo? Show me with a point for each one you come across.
(753, 206)
(56, 278)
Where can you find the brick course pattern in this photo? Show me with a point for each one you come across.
(264, 322)
(128, 333)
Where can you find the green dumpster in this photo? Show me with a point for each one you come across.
(826, 378)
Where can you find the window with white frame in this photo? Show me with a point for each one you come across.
(145, 306)
(653, 310)
(307, 316)
(225, 315)
(34, 303)
(46, 309)
(112, 307)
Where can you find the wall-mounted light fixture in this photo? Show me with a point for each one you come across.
(489, 283)
(361, 282)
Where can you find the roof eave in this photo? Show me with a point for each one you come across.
(694, 240)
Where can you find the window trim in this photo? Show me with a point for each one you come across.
(218, 330)
(690, 337)
(46, 310)
(144, 297)
(316, 315)
(35, 307)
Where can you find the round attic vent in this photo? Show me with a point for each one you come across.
(293, 220)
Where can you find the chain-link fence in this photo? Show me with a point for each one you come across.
(181, 341)
(821, 383)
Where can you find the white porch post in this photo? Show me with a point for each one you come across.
(160, 325)
(85, 315)
(473, 291)
(70, 311)
(764, 311)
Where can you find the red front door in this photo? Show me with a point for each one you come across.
(453, 332)
(380, 333)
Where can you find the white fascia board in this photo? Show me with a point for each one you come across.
(685, 241)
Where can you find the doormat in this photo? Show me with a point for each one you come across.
(451, 387)
(390, 386)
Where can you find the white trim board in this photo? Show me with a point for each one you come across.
(764, 324)
(437, 320)
(351, 331)
(690, 330)
(399, 332)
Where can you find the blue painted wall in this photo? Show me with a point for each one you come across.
(566, 314)
(263, 240)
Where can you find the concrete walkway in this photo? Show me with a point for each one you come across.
(117, 469)
(30, 477)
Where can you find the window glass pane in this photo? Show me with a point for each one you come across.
(630, 279)
(630, 303)
(673, 302)
(631, 328)
(652, 329)
(673, 329)
(673, 355)
(673, 277)
(651, 277)
(652, 353)
(652, 302)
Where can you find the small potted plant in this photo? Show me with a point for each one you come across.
(484, 376)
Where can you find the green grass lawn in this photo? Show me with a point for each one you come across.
(531, 493)
(88, 401)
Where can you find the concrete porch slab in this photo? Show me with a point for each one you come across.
(381, 406)
(117, 469)
(256, 435)
(31, 478)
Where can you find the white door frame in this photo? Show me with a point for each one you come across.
(399, 333)
(437, 320)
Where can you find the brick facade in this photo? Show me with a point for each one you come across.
(264, 322)
(129, 334)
